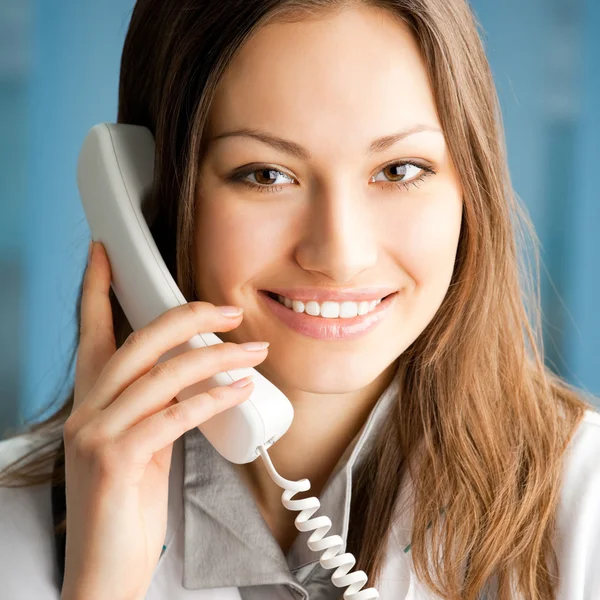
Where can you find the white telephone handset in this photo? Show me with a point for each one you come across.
(115, 172)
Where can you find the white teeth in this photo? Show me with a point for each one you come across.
(312, 308)
(348, 310)
(364, 307)
(328, 309)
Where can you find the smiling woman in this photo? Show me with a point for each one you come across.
(337, 169)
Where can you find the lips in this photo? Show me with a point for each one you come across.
(324, 328)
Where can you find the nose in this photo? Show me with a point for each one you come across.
(339, 239)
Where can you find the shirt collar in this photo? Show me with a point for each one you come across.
(226, 540)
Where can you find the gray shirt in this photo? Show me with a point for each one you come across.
(228, 543)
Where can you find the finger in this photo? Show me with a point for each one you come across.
(151, 435)
(163, 457)
(144, 347)
(151, 392)
(97, 338)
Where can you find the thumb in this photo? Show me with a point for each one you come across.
(97, 336)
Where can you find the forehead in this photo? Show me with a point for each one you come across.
(344, 77)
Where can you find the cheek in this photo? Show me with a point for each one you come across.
(425, 241)
(233, 246)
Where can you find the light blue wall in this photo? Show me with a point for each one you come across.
(582, 344)
(13, 153)
(74, 79)
(545, 56)
(14, 61)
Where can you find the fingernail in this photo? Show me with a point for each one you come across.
(230, 311)
(240, 383)
(253, 346)
(90, 250)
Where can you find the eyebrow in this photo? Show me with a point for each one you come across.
(294, 149)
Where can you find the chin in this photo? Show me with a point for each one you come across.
(335, 373)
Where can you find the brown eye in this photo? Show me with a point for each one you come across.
(395, 171)
(399, 172)
(401, 175)
(266, 179)
(265, 176)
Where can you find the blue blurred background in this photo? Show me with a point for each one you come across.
(59, 64)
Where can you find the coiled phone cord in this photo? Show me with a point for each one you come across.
(320, 526)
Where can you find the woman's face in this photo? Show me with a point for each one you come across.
(330, 211)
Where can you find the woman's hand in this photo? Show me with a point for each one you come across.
(119, 436)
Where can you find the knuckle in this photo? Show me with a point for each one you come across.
(70, 429)
(215, 400)
(217, 394)
(85, 443)
(227, 355)
(178, 413)
(136, 339)
(196, 308)
(220, 356)
(227, 348)
(163, 369)
(92, 447)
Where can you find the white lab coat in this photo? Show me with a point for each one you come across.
(27, 562)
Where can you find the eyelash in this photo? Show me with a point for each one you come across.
(239, 177)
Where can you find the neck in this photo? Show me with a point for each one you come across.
(322, 429)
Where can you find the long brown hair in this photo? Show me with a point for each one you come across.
(492, 422)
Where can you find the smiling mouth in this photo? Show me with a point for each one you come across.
(328, 309)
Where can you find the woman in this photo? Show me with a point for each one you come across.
(315, 156)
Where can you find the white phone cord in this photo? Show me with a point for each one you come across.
(321, 525)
